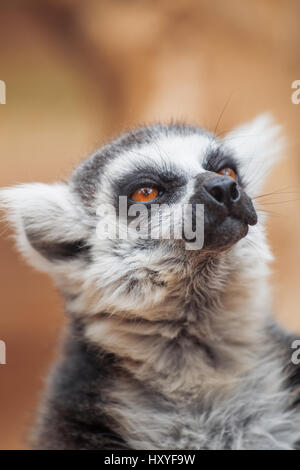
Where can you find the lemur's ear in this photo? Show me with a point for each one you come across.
(257, 145)
(50, 226)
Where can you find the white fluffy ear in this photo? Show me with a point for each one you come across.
(257, 145)
(50, 226)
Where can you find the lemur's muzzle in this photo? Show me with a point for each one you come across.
(228, 210)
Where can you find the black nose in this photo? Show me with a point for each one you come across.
(223, 190)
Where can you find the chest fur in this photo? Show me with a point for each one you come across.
(252, 417)
(179, 391)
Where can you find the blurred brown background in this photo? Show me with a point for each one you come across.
(77, 73)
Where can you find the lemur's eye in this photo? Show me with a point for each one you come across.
(146, 194)
(228, 172)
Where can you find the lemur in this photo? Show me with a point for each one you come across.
(165, 347)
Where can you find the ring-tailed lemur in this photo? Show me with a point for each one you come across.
(166, 348)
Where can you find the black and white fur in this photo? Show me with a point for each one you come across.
(166, 348)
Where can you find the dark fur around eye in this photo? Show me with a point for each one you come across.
(167, 181)
(218, 159)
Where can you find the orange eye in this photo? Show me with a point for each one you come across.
(144, 194)
(228, 172)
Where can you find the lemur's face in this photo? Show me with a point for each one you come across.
(166, 168)
(161, 174)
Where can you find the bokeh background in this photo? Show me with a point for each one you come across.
(79, 72)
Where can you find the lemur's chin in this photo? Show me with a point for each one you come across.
(225, 235)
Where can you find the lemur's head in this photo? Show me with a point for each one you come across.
(173, 166)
